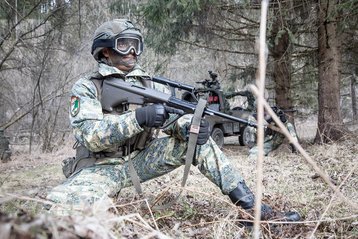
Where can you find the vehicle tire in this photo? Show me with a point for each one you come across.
(246, 138)
(218, 136)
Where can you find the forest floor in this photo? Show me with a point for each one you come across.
(201, 211)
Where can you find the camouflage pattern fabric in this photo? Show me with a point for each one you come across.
(251, 100)
(272, 141)
(105, 132)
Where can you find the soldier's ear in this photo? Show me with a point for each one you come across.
(105, 52)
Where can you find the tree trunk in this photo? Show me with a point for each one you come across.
(354, 97)
(330, 123)
(282, 64)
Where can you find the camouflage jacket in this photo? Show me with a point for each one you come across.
(106, 132)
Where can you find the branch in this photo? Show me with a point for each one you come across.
(8, 124)
(217, 49)
(260, 113)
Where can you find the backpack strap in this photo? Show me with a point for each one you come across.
(97, 80)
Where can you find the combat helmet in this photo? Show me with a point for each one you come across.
(120, 35)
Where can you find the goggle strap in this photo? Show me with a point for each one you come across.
(102, 43)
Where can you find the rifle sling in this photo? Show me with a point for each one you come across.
(193, 137)
(190, 153)
(98, 82)
(133, 174)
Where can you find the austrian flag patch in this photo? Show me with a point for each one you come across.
(75, 105)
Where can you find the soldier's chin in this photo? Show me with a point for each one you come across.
(130, 63)
(127, 64)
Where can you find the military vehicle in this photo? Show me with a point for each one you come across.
(217, 100)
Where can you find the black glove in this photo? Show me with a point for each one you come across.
(204, 132)
(152, 115)
(283, 117)
(293, 148)
(268, 131)
(280, 114)
(268, 118)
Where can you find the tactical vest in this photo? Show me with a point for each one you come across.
(137, 142)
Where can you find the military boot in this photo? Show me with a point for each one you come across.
(243, 197)
(293, 149)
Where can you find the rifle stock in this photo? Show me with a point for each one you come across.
(120, 92)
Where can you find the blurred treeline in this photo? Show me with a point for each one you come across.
(311, 46)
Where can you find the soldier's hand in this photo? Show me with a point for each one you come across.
(154, 115)
(283, 117)
(293, 148)
(280, 114)
(151, 115)
(204, 132)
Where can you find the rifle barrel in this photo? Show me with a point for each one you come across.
(190, 108)
(165, 81)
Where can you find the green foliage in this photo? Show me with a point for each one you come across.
(168, 21)
(7, 8)
(124, 7)
(33, 9)
(304, 86)
(188, 212)
(348, 6)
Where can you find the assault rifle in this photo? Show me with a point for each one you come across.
(119, 92)
(210, 84)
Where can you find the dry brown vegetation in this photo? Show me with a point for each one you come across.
(201, 211)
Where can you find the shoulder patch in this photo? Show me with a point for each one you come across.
(75, 105)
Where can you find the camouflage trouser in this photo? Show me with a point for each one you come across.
(163, 155)
(272, 142)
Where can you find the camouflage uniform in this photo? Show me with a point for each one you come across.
(106, 132)
(271, 141)
(251, 101)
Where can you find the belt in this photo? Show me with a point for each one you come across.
(99, 155)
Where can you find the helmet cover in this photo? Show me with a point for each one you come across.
(120, 35)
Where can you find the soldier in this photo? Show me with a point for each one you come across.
(251, 101)
(5, 151)
(272, 138)
(108, 142)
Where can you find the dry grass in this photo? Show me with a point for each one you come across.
(201, 210)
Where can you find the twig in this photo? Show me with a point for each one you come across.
(151, 214)
(12, 196)
(279, 222)
(148, 206)
(260, 113)
(330, 202)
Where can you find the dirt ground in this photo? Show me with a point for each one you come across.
(201, 211)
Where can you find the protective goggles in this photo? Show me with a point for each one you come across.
(125, 44)
(122, 43)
